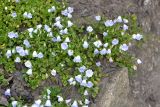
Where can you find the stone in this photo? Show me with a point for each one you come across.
(3, 101)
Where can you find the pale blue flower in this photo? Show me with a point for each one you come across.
(78, 78)
(109, 23)
(70, 24)
(64, 46)
(14, 14)
(7, 92)
(85, 44)
(125, 27)
(28, 64)
(77, 59)
(60, 99)
(105, 34)
(109, 51)
(12, 35)
(89, 73)
(58, 24)
(14, 103)
(27, 15)
(124, 47)
(115, 41)
(87, 101)
(70, 52)
(17, 60)
(63, 32)
(26, 43)
(96, 51)
(98, 18)
(75, 104)
(84, 83)
(82, 69)
(98, 63)
(137, 36)
(89, 84)
(53, 9)
(47, 28)
(48, 103)
(40, 55)
(103, 51)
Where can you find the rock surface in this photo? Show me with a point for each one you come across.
(115, 92)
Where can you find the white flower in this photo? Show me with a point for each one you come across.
(64, 46)
(89, 29)
(58, 18)
(27, 15)
(35, 105)
(14, 14)
(75, 104)
(110, 59)
(30, 30)
(58, 24)
(7, 92)
(98, 18)
(125, 20)
(28, 64)
(109, 23)
(77, 59)
(47, 28)
(40, 55)
(103, 51)
(109, 51)
(98, 63)
(87, 101)
(89, 73)
(115, 41)
(68, 101)
(85, 44)
(48, 91)
(63, 32)
(13, 51)
(70, 24)
(17, 59)
(78, 78)
(82, 69)
(97, 43)
(105, 34)
(60, 99)
(85, 92)
(26, 43)
(67, 39)
(89, 84)
(14, 103)
(84, 83)
(35, 54)
(70, 9)
(119, 19)
(70, 80)
(96, 51)
(29, 72)
(53, 72)
(9, 53)
(39, 26)
(38, 102)
(48, 103)
(70, 52)
(105, 45)
(139, 61)
(52, 9)
(125, 27)
(20, 50)
(124, 47)
(137, 36)
(12, 35)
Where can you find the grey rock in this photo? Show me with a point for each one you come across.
(3, 101)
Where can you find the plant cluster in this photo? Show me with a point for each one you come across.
(39, 36)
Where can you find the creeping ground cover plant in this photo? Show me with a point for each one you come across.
(39, 39)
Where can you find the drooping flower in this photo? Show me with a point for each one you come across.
(35, 54)
(40, 55)
(103, 51)
(98, 18)
(47, 28)
(98, 63)
(89, 73)
(125, 27)
(87, 101)
(89, 84)
(85, 92)
(30, 30)
(115, 41)
(105, 45)
(77, 59)
(64, 31)
(139, 61)
(26, 43)
(125, 20)
(53, 72)
(84, 83)
(8, 53)
(75, 104)
(58, 24)
(67, 39)
(38, 102)
(12, 35)
(70, 24)
(89, 29)
(78, 78)
(14, 103)
(98, 43)
(96, 51)
(27, 15)
(7, 92)
(85, 44)
(48, 103)
(29, 72)
(60, 99)
(64, 46)
(52, 9)
(28, 64)
(124, 47)
(70, 52)
(18, 60)
(68, 101)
